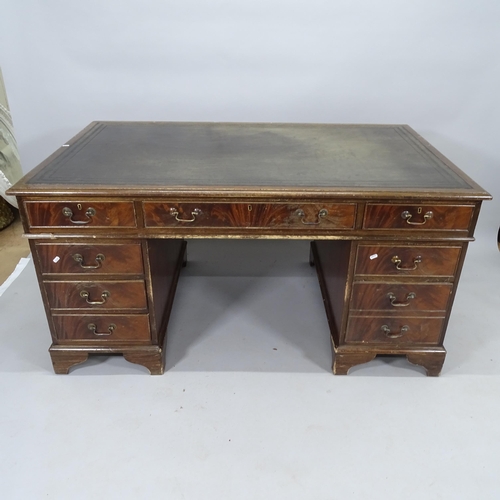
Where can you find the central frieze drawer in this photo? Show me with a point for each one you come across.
(129, 295)
(394, 330)
(400, 297)
(416, 260)
(108, 328)
(71, 258)
(428, 217)
(81, 215)
(258, 215)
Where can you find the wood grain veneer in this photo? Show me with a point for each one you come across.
(418, 217)
(83, 258)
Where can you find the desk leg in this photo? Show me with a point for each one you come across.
(63, 360)
(65, 357)
(431, 361)
(152, 359)
(342, 362)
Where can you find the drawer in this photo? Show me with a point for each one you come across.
(129, 295)
(86, 214)
(415, 217)
(69, 258)
(248, 215)
(394, 330)
(399, 297)
(101, 328)
(416, 260)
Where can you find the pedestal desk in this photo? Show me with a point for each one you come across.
(109, 213)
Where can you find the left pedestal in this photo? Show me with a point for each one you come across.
(108, 297)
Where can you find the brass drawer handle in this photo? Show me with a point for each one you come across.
(175, 213)
(397, 262)
(98, 258)
(104, 296)
(407, 216)
(390, 335)
(321, 214)
(93, 328)
(89, 213)
(409, 297)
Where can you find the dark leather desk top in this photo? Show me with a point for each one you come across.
(172, 156)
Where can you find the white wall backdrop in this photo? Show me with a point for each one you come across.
(434, 64)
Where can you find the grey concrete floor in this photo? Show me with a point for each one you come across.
(248, 407)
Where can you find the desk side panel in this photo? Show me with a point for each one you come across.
(164, 259)
(333, 265)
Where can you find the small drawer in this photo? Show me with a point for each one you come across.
(100, 259)
(103, 328)
(393, 330)
(86, 214)
(258, 215)
(414, 217)
(397, 297)
(416, 260)
(104, 295)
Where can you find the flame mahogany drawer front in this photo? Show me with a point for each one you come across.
(100, 259)
(400, 298)
(129, 295)
(82, 215)
(394, 330)
(103, 328)
(416, 260)
(250, 215)
(428, 217)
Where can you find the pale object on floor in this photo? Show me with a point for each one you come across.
(17, 271)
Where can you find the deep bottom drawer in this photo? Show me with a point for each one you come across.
(394, 330)
(109, 328)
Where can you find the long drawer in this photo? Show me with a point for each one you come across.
(258, 215)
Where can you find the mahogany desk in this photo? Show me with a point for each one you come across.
(109, 213)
